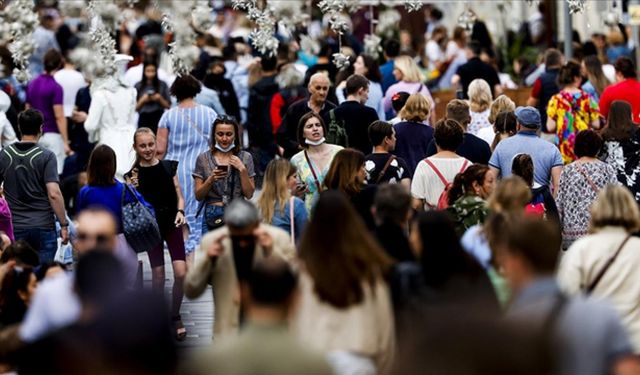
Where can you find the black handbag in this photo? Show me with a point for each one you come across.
(138, 223)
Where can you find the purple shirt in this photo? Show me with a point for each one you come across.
(42, 94)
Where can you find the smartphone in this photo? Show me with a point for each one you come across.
(150, 92)
(224, 168)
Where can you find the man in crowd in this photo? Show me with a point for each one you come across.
(354, 115)
(472, 147)
(287, 133)
(55, 304)
(582, 336)
(225, 259)
(391, 51)
(31, 186)
(546, 86)
(263, 145)
(626, 89)
(46, 95)
(381, 165)
(475, 68)
(547, 161)
(271, 297)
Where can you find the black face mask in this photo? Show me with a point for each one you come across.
(244, 247)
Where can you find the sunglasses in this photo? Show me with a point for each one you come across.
(225, 119)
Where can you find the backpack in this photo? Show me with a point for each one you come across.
(336, 133)
(443, 200)
(536, 207)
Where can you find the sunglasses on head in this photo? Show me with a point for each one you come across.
(225, 119)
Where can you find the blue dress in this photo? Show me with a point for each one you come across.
(189, 136)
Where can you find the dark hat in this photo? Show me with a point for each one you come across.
(528, 117)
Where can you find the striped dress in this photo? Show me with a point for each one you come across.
(189, 135)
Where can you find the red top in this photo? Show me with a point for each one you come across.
(628, 91)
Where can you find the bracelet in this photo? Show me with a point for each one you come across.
(181, 211)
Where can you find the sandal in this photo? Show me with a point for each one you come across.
(181, 331)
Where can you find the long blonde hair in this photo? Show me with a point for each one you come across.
(274, 188)
(409, 69)
(502, 104)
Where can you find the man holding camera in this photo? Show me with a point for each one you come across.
(225, 259)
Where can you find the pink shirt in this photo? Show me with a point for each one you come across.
(408, 87)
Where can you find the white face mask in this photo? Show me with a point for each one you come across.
(315, 143)
(229, 148)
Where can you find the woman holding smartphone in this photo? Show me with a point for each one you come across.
(153, 97)
(158, 183)
(222, 173)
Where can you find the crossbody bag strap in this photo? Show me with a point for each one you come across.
(313, 172)
(586, 176)
(437, 171)
(604, 269)
(292, 220)
(192, 124)
(384, 169)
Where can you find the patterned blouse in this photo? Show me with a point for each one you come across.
(580, 183)
(572, 113)
(305, 175)
(479, 120)
(624, 157)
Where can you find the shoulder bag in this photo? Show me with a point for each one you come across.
(292, 220)
(313, 172)
(138, 223)
(591, 287)
(384, 169)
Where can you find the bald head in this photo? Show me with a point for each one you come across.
(319, 88)
(96, 230)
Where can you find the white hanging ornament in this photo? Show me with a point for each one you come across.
(340, 60)
(576, 6)
(413, 5)
(467, 19)
(372, 45)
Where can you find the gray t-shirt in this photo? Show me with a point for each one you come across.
(206, 163)
(25, 169)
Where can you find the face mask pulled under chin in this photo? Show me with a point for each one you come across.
(225, 149)
(315, 143)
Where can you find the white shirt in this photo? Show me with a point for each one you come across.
(427, 185)
(7, 135)
(434, 54)
(71, 81)
(487, 134)
(479, 120)
(54, 305)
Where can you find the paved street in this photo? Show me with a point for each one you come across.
(197, 315)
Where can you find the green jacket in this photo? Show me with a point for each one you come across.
(468, 211)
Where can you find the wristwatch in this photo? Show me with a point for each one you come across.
(181, 211)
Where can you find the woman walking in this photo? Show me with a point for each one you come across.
(183, 134)
(156, 180)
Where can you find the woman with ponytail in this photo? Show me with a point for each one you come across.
(157, 182)
(467, 196)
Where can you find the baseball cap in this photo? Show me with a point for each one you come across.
(528, 117)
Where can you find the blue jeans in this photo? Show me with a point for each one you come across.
(43, 241)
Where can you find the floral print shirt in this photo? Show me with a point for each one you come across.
(579, 185)
(572, 113)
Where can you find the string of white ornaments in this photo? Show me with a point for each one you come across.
(102, 40)
(262, 36)
(18, 22)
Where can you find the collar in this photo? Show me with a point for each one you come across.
(539, 288)
(528, 133)
(321, 108)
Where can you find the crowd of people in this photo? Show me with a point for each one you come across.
(343, 226)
